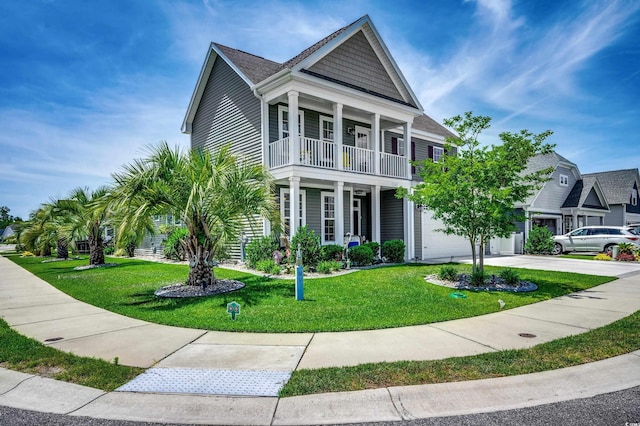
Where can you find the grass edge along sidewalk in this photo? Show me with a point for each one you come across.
(388, 297)
(618, 338)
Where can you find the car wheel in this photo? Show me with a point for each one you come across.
(608, 250)
(557, 249)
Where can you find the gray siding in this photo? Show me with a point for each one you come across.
(228, 113)
(391, 217)
(346, 199)
(314, 210)
(592, 199)
(615, 217)
(354, 62)
(422, 148)
(553, 195)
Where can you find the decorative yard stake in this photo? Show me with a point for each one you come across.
(299, 276)
(233, 308)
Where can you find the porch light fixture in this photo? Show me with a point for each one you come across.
(351, 130)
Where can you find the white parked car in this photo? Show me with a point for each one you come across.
(595, 239)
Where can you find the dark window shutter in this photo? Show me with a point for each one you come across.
(413, 157)
(431, 152)
(394, 146)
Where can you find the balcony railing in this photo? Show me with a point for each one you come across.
(323, 154)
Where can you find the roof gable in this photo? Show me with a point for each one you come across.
(586, 193)
(356, 57)
(617, 184)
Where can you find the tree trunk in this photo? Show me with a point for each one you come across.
(481, 255)
(473, 255)
(200, 268)
(96, 250)
(63, 249)
(46, 251)
(131, 249)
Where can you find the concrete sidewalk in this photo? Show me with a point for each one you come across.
(36, 309)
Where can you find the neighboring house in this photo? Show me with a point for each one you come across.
(620, 189)
(337, 126)
(566, 201)
(6, 232)
(153, 244)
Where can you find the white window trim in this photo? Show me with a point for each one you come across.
(302, 208)
(283, 108)
(362, 129)
(324, 194)
(564, 180)
(634, 197)
(324, 118)
(400, 142)
(440, 150)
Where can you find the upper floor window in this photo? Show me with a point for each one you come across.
(283, 122)
(634, 197)
(564, 180)
(326, 127)
(438, 152)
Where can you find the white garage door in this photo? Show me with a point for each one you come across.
(436, 244)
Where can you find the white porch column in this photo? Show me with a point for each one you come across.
(407, 148)
(294, 204)
(294, 152)
(337, 133)
(409, 228)
(375, 134)
(264, 112)
(338, 191)
(375, 214)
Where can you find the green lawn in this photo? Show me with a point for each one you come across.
(370, 299)
(617, 338)
(20, 353)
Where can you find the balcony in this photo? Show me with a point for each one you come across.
(324, 155)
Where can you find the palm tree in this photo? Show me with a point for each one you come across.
(212, 194)
(40, 233)
(87, 217)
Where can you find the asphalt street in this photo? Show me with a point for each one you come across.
(617, 408)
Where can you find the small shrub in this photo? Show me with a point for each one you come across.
(448, 273)
(173, 246)
(260, 248)
(374, 246)
(361, 255)
(20, 247)
(510, 277)
(626, 248)
(478, 278)
(393, 251)
(602, 256)
(331, 252)
(328, 266)
(109, 250)
(118, 252)
(27, 254)
(268, 266)
(625, 257)
(309, 245)
(539, 241)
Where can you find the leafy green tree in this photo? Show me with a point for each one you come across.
(213, 194)
(474, 192)
(48, 226)
(6, 219)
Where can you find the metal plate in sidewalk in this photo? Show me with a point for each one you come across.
(208, 382)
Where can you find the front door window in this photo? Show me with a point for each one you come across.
(328, 217)
(363, 136)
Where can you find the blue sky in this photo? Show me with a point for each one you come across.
(86, 85)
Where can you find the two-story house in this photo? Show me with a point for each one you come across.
(620, 188)
(567, 200)
(337, 126)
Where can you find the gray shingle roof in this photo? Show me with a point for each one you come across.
(580, 192)
(255, 68)
(544, 161)
(428, 124)
(616, 184)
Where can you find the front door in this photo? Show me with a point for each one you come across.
(357, 217)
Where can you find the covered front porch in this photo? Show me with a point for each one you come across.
(338, 211)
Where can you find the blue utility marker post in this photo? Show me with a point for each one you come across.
(299, 276)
